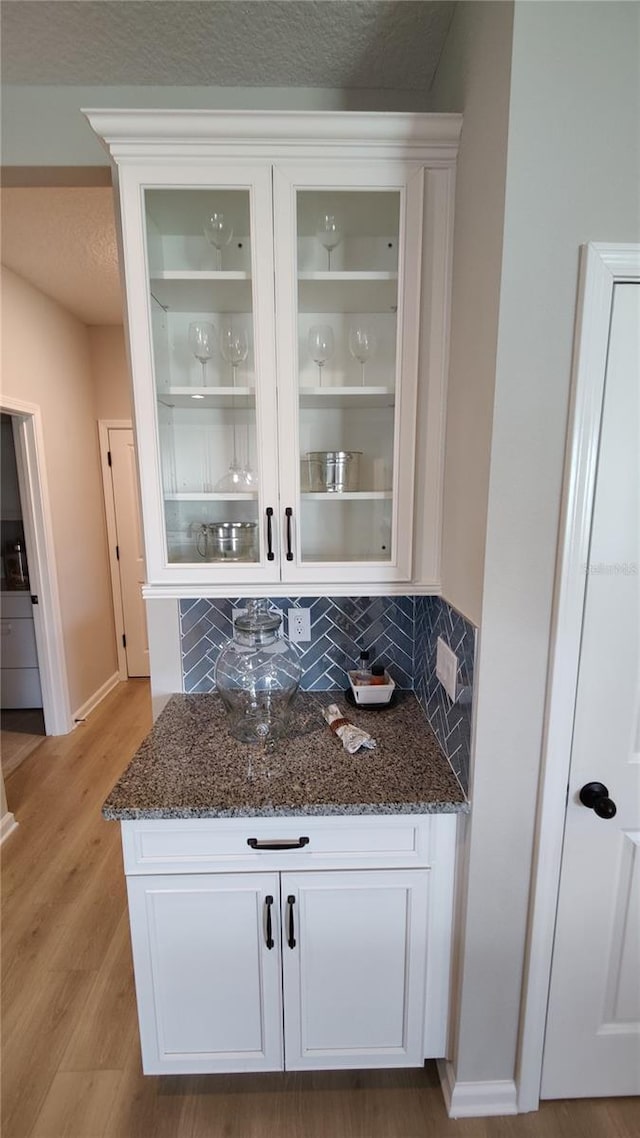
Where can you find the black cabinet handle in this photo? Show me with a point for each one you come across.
(278, 844)
(288, 515)
(596, 796)
(270, 553)
(269, 902)
(291, 940)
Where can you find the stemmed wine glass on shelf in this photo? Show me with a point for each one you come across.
(329, 233)
(218, 231)
(362, 345)
(234, 346)
(202, 340)
(321, 345)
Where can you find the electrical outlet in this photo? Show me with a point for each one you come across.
(447, 668)
(299, 625)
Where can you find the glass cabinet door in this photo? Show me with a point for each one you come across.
(211, 388)
(352, 383)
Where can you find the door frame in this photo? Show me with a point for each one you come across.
(36, 517)
(602, 266)
(104, 426)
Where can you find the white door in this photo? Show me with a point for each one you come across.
(124, 479)
(354, 950)
(592, 1044)
(207, 972)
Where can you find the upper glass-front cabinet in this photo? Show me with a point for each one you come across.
(204, 365)
(282, 306)
(348, 329)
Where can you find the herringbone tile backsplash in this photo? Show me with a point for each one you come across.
(399, 632)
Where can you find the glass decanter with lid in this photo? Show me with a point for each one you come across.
(257, 676)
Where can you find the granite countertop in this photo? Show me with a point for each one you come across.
(189, 766)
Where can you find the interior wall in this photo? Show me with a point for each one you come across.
(44, 125)
(46, 360)
(110, 371)
(573, 171)
(473, 76)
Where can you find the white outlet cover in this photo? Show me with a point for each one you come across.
(447, 668)
(299, 625)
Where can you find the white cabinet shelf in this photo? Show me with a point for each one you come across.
(343, 397)
(348, 496)
(218, 275)
(348, 277)
(203, 292)
(205, 496)
(219, 397)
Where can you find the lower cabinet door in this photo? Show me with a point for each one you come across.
(208, 975)
(354, 961)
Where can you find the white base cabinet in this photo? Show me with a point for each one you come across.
(353, 980)
(308, 968)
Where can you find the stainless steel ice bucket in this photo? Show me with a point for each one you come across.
(334, 471)
(227, 541)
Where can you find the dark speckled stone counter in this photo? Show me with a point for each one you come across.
(189, 766)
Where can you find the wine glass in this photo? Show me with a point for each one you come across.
(362, 345)
(202, 339)
(329, 232)
(321, 344)
(218, 231)
(234, 345)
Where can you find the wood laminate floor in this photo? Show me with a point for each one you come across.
(21, 731)
(71, 1065)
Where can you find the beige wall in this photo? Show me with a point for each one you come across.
(46, 361)
(473, 76)
(110, 371)
(572, 176)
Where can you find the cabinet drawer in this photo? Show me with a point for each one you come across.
(18, 644)
(202, 845)
(16, 606)
(20, 687)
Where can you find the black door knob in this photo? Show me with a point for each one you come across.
(596, 796)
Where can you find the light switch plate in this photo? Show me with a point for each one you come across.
(447, 668)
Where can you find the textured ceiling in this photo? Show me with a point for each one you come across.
(63, 241)
(225, 43)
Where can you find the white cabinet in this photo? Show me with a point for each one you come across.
(287, 286)
(354, 952)
(220, 958)
(306, 967)
(19, 675)
(208, 981)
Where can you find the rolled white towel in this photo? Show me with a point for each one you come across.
(353, 738)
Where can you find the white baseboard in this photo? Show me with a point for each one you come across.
(476, 1100)
(7, 825)
(90, 704)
